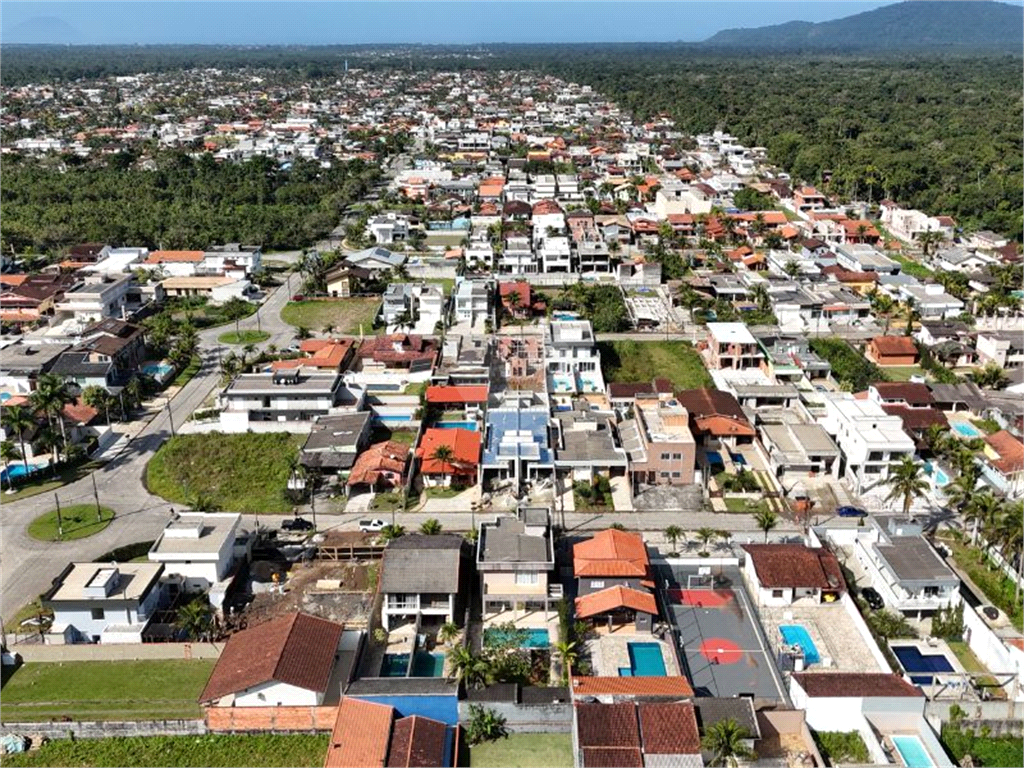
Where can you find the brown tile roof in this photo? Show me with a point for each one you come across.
(611, 553)
(417, 742)
(894, 345)
(607, 725)
(297, 649)
(846, 684)
(915, 419)
(631, 686)
(398, 347)
(157, 257)
(780, 566)
(715, 413)
(669, 728)
(625, 389)
(911, 393)
(1010, 450)
(612, 757)
(615, 597)
(360, 734)
(389, 456)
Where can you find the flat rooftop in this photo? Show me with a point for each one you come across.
(912, 558)
(133, 582)
(731, 333)
(196, 533)
(506, 541)
(264, 383)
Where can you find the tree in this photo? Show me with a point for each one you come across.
(927, 239)
(391, 532)
(791, 268)
(443, 454)
(9, 454)
(706, 536)
(766, 521)
(17, 420)
(97, 397)
(724, 740)
(485, 725)
(50, 397)
(981, 511)
(471, 670)
(1008, 535)
(430, 527)
(302, 332)
(673, 534)
(195, 619)
(567, 655)
(448, 632)
(235, 309)
(992, 376)
(906, 482)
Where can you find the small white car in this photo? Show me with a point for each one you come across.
(371, 526)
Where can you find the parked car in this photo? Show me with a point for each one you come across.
(872, 598)
(372, 526)
(298, 297)
(851, 512)
(297, 524)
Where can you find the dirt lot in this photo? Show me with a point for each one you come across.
(341, 592)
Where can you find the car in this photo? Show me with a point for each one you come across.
(298, 297)
(872, 598)
(372, 526)
(991, 612)
(297, 524)
(851, 512)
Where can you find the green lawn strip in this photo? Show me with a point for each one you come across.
(106, 690)
(78, 521)
(380, 434)
(993, 582)
(911, 267)
(216, 751)
(243, 337)
(186, 373)
(239, 473)
(643, 361)
(443, 493)
(345, 315)
(524, 750)
(748, 506)
(45, 481)
(989, 426)
(447, 283)
(904, 372)
(838, 747)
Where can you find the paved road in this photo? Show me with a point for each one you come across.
(28, 566)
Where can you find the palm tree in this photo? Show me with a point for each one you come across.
(471, 670)
(706, 536)
(302, 332)
(328, 329)
(431, 527)
(884, 306)
(981, 510)
(927, 239)
(673, 533)
(97, 397)
(9, 454)
(1009, 536)
(513, 302)
(791, 268)
(50, 397)
(724, 740)
(235, 309)
(906, 482)
(18, 420)
(247, 350)
(391, 532)
(766, 520)
(759, 293)
(485, 724)
(959, 492)
(568, 656)
(133, 391)
(48, 440)
(912, 314)
(448, 632)
(444, 455)
(195, 620)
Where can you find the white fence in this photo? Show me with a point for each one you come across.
(998, 656)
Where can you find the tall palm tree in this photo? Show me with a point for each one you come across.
(50, 397)
(17, 421)
(673, 534)
(724, 740)
(766, 520)
(9, 454)
(791, 268)
(443, 454)
(759, 293)
(471, 670)
(567, 655)
(391, 532)
(927, 239)
(981, 511)
(1009, 537)
(906, 482)
(195, 620)
(706, 536)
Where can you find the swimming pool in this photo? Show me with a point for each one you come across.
(470, 425)
(157, 370)
(393, 419)
(18, 470)
(564, 315)
(912, 751)
(714, 457)
(795, 634)
(913, 660)
(645, 660)
(532, 638)
(427, 664)
(394, 665)
(964, 429)
(4, 397)
(739, 458)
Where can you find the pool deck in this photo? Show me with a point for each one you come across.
(609, 652)
(839, 644)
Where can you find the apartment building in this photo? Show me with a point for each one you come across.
(731, 345)
(870, 440)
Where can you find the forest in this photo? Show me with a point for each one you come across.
(184, 202)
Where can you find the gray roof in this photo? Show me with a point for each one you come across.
(797, 441)
(592, 447)
(278, 383)
(506, 541)
(711, 710)
(629, 433)
(25, 358)
(337, 432)
(408, 686)
(420, 564)
(765, 390)
(77, 364)
(376, 254)
(912, 559)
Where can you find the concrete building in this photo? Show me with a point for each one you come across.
(95, 300)
(731, 345)
(200, 547)
(515, 558)
(870, 440)
(420, 579)
(659, 443)
(288, 395)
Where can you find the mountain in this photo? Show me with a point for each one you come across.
(43, 29)
(974, 25)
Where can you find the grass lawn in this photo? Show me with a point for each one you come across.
(190, 370)
(386, 502)
(262, 750)
(244, 337)
(524, 750)
(992, 581)
(988, 426)
(45, 481)
(643, 361)
(416, 388)
(379, 433)
(207, 315)
(904, 372)
(77, 522)
(985, 750)
(29, 611)
(106, 690)
(911, 267)
(240, 473)
(443, 493)
(746, 506)
(447, 283)
(971, 663)
(345, 315)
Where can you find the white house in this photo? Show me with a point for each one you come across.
(472, 301)
(860, 257)
(555, 254)
(420, 577)
(388, 228)
(959, 259)
(680, 198)
(1002, 348)
(907, 224)
(96, 299)
(782, 574)
(200, 547)
(931, 301)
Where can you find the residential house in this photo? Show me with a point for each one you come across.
(388, 228)
(807, 199)
(400, 300)
(636, 733)
(22, 364)
(285, 662)
(109, 355)
(397, 351)
(908, 225)
(891, 351)
(931, 301)
(335, 441)
(524, 305)
(96, 299)
(587, 446)
(103, 602)
(959, 259)
(515, 558)
(555, 255)
(659, 443)
(465, 361)
(323, 355)
(342, 280)
(517, 443)
(376, 259)
(731, 345)
(963, 396)
(1002, 465)
(912, 403)
(372, 735)
(518, 258)
(797, 450)
(860, 257)
(201, 548)
(379, 467)
(421, 579)
(176, 263)
(870, 440)
(716, 418)
(233, 260)
(1004, 349)
(572, 360)
(217, 288)
(613, 580)
(288, 395)
(458, 471)
(593, 257)
(782, 574)
(34, 297)
(472, 301)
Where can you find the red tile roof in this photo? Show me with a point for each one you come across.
(631, 686)
(378, 460)
(916, 419)
(79, 413)
(417, 742)
(457, 394)
(611, 553)
(911, 393)
(397, 347)
(855, 685)
(1010, 450)
(780, 566)
(297, 649)
(607, 725)
(465, 445)
(894, 345)
(612, 757)
(609, 599)
(360, 734)
(669, 728)
(715, 412)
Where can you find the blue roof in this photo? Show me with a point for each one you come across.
(503, 444)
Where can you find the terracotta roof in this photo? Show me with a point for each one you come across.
(715, 412)
(79, 413)
(397, 347)
(457, 394)
(623, 389)
(894, 345)
(611, 553)
(917, 418)
(1010, 450)
(157, 257)
(669, 728)
(417, 742)
(519, 287)
(612, 757)
(465, 445)
(360, 734)
(389, 456)
(607, 725)
(297, 649)
(615, 597)
(795, 565)
(13, 279)
(853, 685)
(631, 686)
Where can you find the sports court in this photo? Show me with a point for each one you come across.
(723, 651)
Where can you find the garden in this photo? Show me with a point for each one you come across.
(644, 361)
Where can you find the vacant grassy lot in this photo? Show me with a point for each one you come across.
(524, 750)
(244, 337)
(904, 372)
(106, 690)
(992, 581)
(676, 361)
(239, 473)
(345, 315)
(77, 522)
(217, 751)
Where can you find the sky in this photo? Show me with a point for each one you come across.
(459, 22)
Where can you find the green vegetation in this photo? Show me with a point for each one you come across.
(851, 368)
(593, 497)
(524, 750)
(44, 481)
(748, 199)
(243, 337)
(261, 750)
(972, 663)
(985, 750)
(903, 372)
(993, 582)
(389, 501)
(989, 426)
(838, 747)
(346, 315)
(106, 690)
(601, 304)
(185, 375)
(77, 522)
(246, 472)
(644, 361)
(911, 267)
(746, 506)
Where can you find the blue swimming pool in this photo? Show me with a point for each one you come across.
(913, 661)
(714, 457)
(738, 458)
(157, 370)
(795, 634)
(564, 315)
(15, 471)
(532, 638)
(394, 665)
(393, 419)
(645, 660)
(427, 664)
(912, 751)
(964, 429)
(471, 425)
(4, 397)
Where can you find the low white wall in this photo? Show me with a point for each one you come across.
(992, 651)
(862, 628)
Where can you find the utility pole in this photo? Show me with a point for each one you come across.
(170, 416)
(96, 495)
(60, 523)
(312, 500)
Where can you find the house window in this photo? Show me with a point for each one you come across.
(677, 456)
(597, 585)
(676, 474)
(665, 456)
(664, 474)
(776, 593)
(97, 614)
(527, 579)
